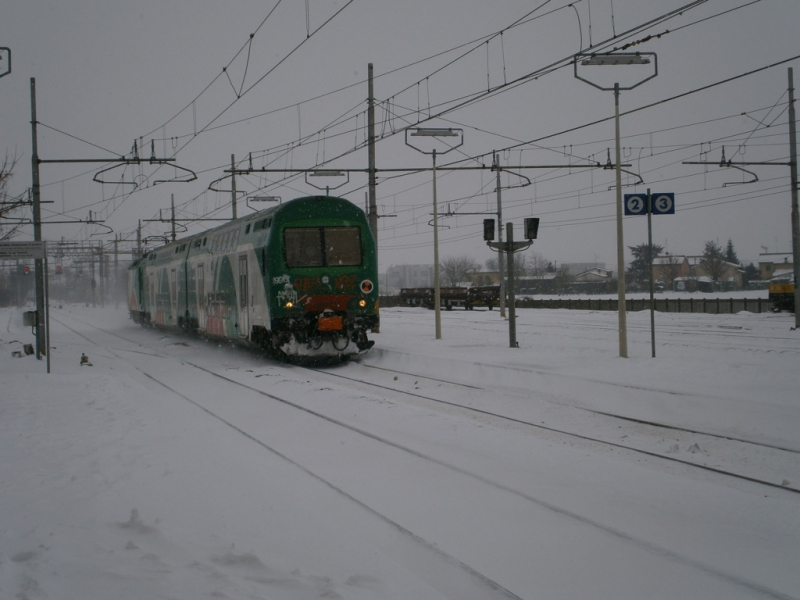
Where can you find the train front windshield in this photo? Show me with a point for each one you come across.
(322, 246)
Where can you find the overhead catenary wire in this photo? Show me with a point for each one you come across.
(510, 146)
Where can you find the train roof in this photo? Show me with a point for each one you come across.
(334, 206)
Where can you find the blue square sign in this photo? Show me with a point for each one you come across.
(636, 204)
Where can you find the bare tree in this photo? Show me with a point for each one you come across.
(8, 205)
(536, 265)
(456, 268)
(520, 265)
(669, 270)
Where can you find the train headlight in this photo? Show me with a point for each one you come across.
(289, 304)
(362, 303)
(367, 286)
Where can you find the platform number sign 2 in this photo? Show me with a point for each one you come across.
(636, 204)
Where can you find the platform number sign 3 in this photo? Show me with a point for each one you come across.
(663, 204)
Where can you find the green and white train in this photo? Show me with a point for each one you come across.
(297, 280)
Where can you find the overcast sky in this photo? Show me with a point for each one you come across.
(110, 72)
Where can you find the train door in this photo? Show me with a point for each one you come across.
(244, 299)
(201, 296)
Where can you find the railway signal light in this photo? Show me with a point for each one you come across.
(531, 228)
(26, 270)
(58, 269)
(488, 230)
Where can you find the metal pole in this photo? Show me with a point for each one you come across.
(373, 202)
(172, 207)
(37, 225)
(93, 281)
(115, 285)
(373, 208)
(102, 274)
(233, 186)
(795, 217)
(500, 266)
(437, 304)
(47, 308)
(623, 328)
(512, 313)
(139, 240)
(650, 254)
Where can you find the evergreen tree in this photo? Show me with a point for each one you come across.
(730, 253)
(751, 273)
(713, 261)
(639, 270)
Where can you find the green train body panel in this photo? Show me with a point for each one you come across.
(297, 279)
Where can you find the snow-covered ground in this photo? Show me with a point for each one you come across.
(455, 468)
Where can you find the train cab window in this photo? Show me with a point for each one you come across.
(303, 247)
(322, 246)
(342, 246)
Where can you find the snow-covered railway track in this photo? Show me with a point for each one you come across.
(651, 423)
(456, 577)
(432, 555)
(589, 438)
(782, 485)
(668, 333)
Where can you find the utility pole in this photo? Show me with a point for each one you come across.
(139, 240)
(93, 282)
(795, 216)
(172, 205)
(437, 294)
(496, 167)
(115, 285)
(102, 274)
(37, 227)
(621, 308)
(512, 313)
(373, 202)
(373, 207)
(233, 187)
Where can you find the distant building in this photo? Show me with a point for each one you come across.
(595, 275)
(730, 277)
(776, 265)
(484, 278)
(580, 267)
(669, 267)
(407, 276)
